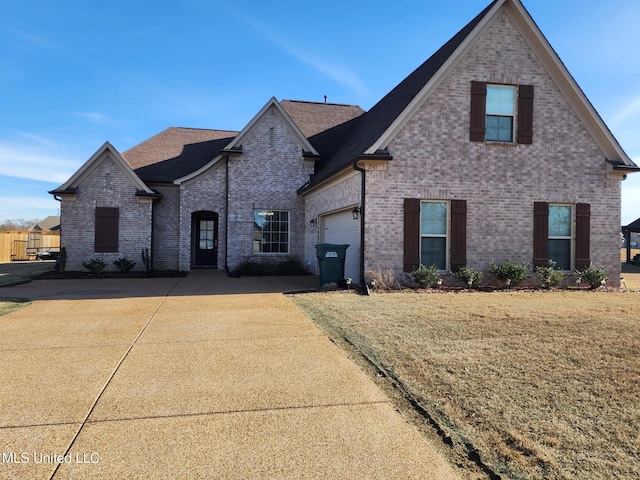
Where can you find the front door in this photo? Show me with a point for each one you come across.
(205, 240)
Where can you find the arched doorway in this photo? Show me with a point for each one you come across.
(204, 239)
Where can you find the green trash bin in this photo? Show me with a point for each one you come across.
(331, 262)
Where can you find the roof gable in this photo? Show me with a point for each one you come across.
(288, 121)
(376, 128)
(85, 170)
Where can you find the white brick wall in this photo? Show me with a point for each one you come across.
(265, 176)
(78, 217)
(434, 159)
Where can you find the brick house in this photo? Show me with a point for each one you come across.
(488, 151)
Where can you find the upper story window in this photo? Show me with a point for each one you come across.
(501, 112)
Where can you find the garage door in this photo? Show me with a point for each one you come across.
(341, 228)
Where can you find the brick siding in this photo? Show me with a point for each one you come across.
(78, 217)
(434, 159)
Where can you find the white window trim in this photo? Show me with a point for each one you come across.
(514, 116)
(571, 237)
(446, 235)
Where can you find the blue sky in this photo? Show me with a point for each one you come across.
(75, 74)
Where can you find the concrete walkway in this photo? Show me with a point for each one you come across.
(197, 377)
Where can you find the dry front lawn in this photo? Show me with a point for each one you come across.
(542, 385)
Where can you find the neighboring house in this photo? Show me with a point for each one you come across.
(631, 239)
(49, 223)
(489, 151)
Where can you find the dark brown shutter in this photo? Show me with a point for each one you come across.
(525, 114)
(583, 236)
(411, 234)
(106, 229)
(540, 234)
(478, 111)
(458, 234)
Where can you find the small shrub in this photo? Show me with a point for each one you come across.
(95, 265)
(124, 264)
(512, 273)
(291, 265)
(549, 276)
(426, 276)
(146, 259)
(594, 276)
(466, 274)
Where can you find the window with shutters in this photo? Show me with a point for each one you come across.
(106, 229)
(433, 230)
(501, 113)
(433, 234)
(560, 235)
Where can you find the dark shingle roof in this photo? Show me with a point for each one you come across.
(371, 125)
(176, 152)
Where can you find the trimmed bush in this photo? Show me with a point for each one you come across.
(426, 276)
(95, 265)
(466, 274)
(549, 276)
(594, 276)
(124, 264)
(249, 267)
(511, 273)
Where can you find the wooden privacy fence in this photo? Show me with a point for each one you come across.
(25, 245)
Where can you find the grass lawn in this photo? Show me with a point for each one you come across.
(8, 305)
(542, 385)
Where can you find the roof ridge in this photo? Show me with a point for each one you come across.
(322, 103)
(202, 129)
(374, 122)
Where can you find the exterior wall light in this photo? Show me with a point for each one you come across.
(356, 212)
(313, 222)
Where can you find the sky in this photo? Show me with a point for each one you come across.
(74, 74)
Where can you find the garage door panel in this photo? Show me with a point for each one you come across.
(340, 228)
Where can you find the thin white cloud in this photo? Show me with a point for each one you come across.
(631, 111)
(95, 117)
(35, 162)
(31, 38)
(336, 72)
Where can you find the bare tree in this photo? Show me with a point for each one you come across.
(18, 224)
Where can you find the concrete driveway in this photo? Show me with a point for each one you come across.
(197, 377)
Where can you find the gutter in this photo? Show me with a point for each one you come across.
(363, 209)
